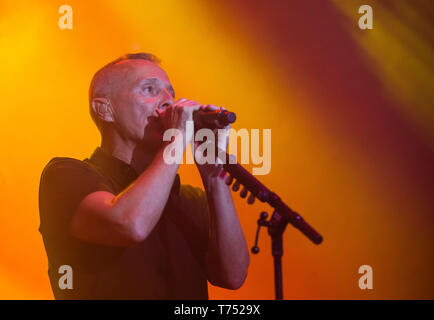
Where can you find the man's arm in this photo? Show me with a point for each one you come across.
(128, 218)
(227, 258)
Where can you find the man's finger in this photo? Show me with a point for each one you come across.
(189, 103)
(179, 101)
(210, 107)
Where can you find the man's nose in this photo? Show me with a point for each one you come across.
(167, 99)
(165, 105)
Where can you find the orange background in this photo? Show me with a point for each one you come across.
(351, 113)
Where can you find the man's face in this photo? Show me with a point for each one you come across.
(143, 87)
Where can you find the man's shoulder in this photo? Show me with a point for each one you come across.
(65, 169)
(67, 181)
(66, 164)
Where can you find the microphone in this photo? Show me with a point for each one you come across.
(213, 119)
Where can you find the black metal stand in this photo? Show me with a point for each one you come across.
(276, 226)
(276, 229)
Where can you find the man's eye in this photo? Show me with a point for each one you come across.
(148, 89)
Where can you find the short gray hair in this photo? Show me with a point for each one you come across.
(93, 89)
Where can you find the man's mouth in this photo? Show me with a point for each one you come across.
(154, 123)
(153, 118)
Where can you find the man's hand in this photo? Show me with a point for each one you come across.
(221, 139)
(227, 258)
(176, 116)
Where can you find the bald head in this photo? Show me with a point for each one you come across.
(125, 94)
(110, 78)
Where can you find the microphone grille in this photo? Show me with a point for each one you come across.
(226, 117)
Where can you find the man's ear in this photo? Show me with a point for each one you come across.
(103, 109)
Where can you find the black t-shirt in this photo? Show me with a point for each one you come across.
(168, 264)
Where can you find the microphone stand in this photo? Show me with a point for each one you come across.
(276, 225)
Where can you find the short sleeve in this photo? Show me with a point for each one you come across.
(64, 184)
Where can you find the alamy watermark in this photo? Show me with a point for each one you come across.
(206, 151)
(65, 20)
(366, 21)
(366, 280)
(65, 281)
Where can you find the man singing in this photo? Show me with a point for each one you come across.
(121, 219)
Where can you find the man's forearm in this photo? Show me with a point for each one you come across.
(128, 218)
(227, 258)
(144, 201)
